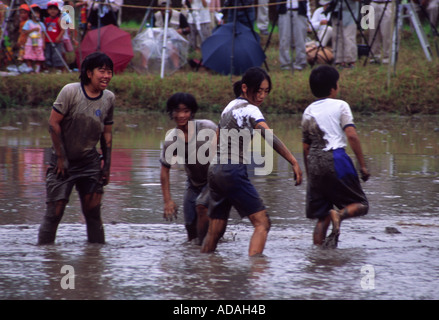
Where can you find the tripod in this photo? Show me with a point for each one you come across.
(410, 12)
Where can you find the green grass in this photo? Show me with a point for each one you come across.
(413, 88)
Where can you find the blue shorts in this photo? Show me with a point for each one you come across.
(332, 181)
(193, 197)
(229, 186)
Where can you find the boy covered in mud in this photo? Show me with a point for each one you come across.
(327, 126)
(185, 143)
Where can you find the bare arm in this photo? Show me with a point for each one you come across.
(281, 149)
(58, 145)
(170, 208)
(354, 143)
(106, 146)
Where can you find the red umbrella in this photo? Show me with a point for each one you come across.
(110, 40)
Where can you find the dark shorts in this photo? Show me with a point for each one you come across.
(229, 186)
(332, 181)
(193, 197)
(85, 176)
(53, 59)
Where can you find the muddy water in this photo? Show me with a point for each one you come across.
(148, 258)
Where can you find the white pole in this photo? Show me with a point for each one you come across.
(165, 35)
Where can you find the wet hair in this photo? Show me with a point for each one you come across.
(92, 61)
(181, 98)
(253, 78)
(322, 80)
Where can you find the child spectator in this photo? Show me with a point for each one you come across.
(34, 29)
(54, 42)
(24, 13)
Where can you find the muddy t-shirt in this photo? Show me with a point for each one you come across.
(84, 119)
(236, 129)
(194, 154)
(323, 123)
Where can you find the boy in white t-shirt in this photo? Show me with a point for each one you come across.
(327, 126)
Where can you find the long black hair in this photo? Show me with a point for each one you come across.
(92, 61)
(253, 78)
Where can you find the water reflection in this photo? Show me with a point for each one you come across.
(146, 258)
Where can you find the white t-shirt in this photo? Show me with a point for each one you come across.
(318, 16)
(199, 13)
(323, 123)
(190, 151)
(237, 122)
(84, 118)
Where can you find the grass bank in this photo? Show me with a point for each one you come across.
(414, 88)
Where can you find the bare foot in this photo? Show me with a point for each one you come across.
(331, 241)
(336, 220)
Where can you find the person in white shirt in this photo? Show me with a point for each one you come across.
(327, 128)
(320, 23)
(199, 21)
(293, 26)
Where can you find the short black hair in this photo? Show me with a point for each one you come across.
(36, 9)
(181, 98)
(92, 61)
(253, 78)
(322, 80)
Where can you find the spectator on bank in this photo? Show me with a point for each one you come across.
(263, 20)
(432, 7)
(215, 15)
(54, 41)
(34, 29)
(244, 9)
(344, 33)
(24, 12)
(293, 26)
(102, 12)
(320, 22)
(380, 38)
(176, 20)
(199, 21)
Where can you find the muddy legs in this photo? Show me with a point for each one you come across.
(336, 217)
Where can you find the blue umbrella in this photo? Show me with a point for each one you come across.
(229, 46)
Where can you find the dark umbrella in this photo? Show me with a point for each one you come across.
(217, 50)
(110, 40)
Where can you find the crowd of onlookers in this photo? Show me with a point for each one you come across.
(37, 39)
(34, 35)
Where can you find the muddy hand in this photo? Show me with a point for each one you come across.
(61, 169)
(364, 175)
(297, 175)
(170, 212)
